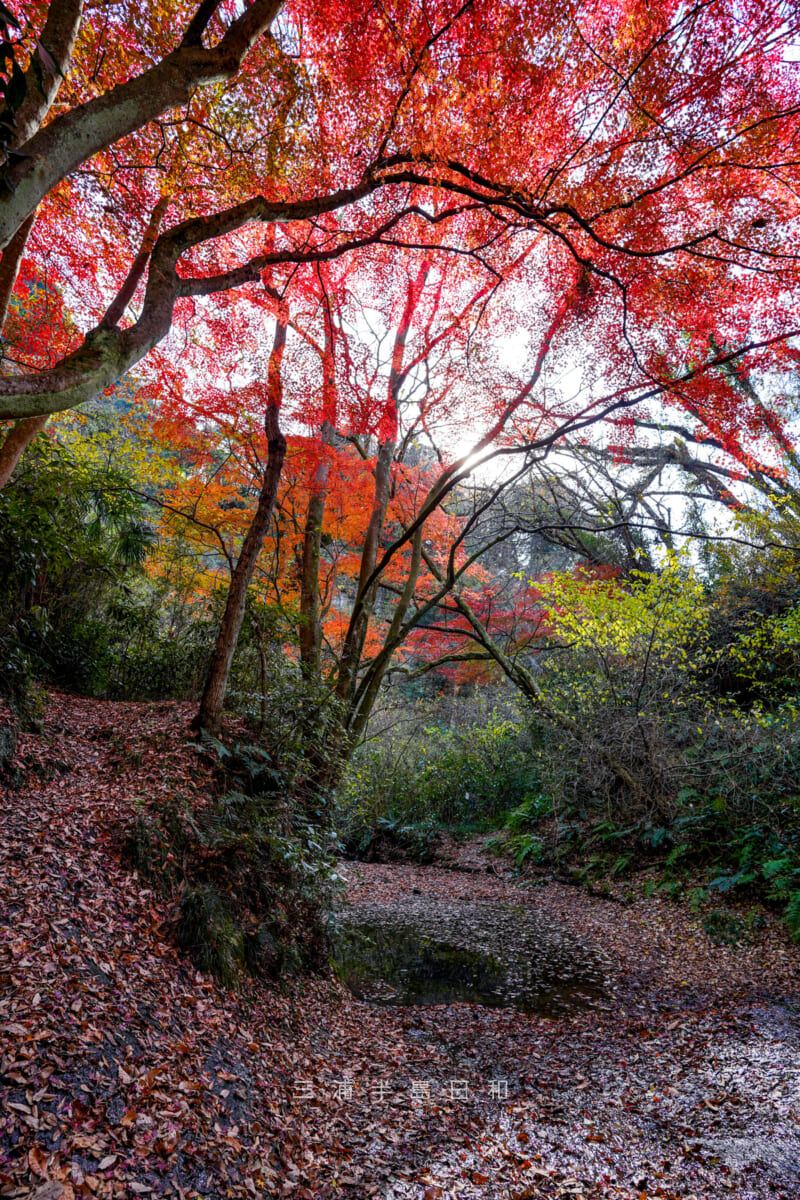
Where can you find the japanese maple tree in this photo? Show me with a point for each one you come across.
(648, 145)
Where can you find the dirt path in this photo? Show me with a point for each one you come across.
(126, 1073)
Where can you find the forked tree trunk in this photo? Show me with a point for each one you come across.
(209, 716)
(355, 637)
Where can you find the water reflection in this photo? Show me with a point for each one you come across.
(429, 952)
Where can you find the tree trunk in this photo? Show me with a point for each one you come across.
(387, 445)
(209, 716)
(21, 433)
(310, 625)
(44, 75)
(9, 265)
(18, 438)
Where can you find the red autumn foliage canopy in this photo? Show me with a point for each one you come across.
(637, 159)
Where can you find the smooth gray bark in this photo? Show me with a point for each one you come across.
(56, 150)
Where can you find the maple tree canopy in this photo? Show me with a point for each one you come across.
(634, 165)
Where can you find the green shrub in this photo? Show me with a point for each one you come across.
(400, 787)
(148, 656)
(519, 838)
(72, 533)
(207, 930)
(299, 715)
(792, 915)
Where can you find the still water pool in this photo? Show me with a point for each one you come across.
(426, 951)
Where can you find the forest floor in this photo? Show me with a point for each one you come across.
(123, 1072)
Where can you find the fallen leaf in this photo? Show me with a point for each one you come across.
(37, 1161)
(49, 1191)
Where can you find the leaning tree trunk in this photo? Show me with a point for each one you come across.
(209, 716)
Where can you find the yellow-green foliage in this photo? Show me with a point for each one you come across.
(766, 547)
(104, 438)
(647, 615)
(772, 645)
(756, 623)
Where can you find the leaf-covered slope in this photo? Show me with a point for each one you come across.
(125, 1073)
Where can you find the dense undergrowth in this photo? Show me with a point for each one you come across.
(421, 773)
(701, 855)
(692, 694)
(730, 836)
(250, 872)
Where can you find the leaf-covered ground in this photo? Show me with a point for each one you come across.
(125, 1073)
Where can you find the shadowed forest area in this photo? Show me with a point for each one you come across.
(399, 600)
